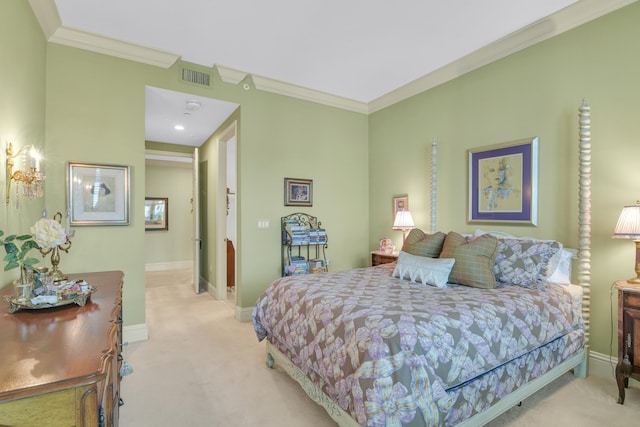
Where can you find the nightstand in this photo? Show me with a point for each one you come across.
(378, 257)
(628, 335)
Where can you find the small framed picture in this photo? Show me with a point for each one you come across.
(156, 213)
(386, 245)
(298, 192)
(400, 203)
(98, 194)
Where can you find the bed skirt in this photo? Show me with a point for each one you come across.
(578, 362)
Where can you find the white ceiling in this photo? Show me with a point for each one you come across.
(200, 116)
(356, 54)
(358, 49)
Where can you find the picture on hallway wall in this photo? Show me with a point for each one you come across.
(156, 213)
(97, 194)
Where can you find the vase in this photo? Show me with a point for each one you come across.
(23, 286)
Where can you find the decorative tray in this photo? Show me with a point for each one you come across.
(79, 298)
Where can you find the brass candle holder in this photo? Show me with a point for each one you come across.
(56, 273)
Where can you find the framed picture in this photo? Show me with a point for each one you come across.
(156, 213)
(503, 183)
(400, 203)
(298, 192)
(98, 194)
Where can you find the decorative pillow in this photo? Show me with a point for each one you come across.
(524, 262)
(429, 271)
(425, 245)
(559, 265)
(474, 259)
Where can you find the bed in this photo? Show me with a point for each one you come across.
(458, 330)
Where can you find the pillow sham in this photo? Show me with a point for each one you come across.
(552, 262)
(474, 259)
(524, 262)
(425, 245)
(428, 271)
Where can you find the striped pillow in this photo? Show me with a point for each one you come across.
(474, 259)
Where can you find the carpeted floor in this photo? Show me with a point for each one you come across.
(202, 368)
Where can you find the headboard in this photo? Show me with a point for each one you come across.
(583, 275)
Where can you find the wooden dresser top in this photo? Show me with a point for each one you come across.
(55, 348)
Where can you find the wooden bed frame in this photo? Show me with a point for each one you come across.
(579, 362)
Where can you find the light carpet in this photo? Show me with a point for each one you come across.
(202, 368)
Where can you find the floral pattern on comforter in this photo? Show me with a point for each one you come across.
(387, 350)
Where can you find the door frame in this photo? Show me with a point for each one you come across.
(221, 214)
(195, 211)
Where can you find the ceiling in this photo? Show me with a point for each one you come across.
(198, 115)
(357, 54)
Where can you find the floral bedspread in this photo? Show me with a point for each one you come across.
(388, 350)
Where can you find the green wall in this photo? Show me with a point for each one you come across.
(95, 113)
(536, 92)
(175, 244)
(22, 113)
(90, 107)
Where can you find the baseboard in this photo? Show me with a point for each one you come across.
(134, 333)
(601, 365)
(209, 287)
(244, 314)
(173, 265)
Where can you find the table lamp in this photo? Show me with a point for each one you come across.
(404, 222)
(628, 227)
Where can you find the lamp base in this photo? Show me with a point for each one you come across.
(634, 280)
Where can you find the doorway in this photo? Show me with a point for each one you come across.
(198, 118)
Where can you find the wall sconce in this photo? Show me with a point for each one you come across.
(404, 222)
(28, 184)
(628, 227)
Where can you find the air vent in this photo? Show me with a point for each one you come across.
(196, 77)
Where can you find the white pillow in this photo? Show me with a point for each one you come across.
(429, 271)
(562, 273)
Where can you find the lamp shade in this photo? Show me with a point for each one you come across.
(628, 226)
(403, 221)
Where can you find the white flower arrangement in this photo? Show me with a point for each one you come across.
(48, 233)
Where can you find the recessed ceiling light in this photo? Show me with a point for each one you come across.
(178, 127)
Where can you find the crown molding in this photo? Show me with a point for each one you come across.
(46, 14)
(113, 47)
(275, 86)
(231, 75)
(566, 19)
(48, 17)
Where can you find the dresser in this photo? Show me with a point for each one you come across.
(628, 335)
(60, 367)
